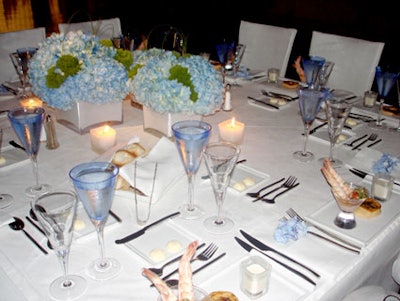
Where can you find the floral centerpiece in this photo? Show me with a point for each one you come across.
(167, 82)
(76, 67)
(82, 78)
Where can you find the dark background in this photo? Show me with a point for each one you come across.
(206, 21)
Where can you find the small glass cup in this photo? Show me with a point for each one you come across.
(199, 294)
(382, 186)
(370, 98)
(255, 273)
(273, 74)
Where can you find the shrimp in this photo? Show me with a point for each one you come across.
(339, 186)
(300, 72)
(162, 287)
(185, 273)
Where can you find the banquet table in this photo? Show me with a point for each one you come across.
(270, 138)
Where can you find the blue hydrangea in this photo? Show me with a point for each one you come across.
(290, 229)
(385, 164)
(101, 79)
(152, 88)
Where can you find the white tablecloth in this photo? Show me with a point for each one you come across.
(271, 136)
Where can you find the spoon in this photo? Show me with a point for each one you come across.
(34, 217)
(18, 225)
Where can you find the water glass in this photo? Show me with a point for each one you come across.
(382, 186)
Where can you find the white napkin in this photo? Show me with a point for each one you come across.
(169, 170)
(5, 218)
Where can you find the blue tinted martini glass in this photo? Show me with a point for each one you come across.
(385, 81)
(191, 137)
(94, 183)
(312, 67)
(27, 124)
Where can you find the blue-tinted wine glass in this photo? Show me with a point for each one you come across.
(191, 138)
(94, 183)
(27, 123)
(310, 101)
(224, 53)
(312, 67)
(385, 81)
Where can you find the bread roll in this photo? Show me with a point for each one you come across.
(122, 157)
(290, 84)
(135, 149)
(223, 296)
(369, 208)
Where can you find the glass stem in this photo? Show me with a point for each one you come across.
(35, 167)
(63, 257)
(332, 145)
(219, 196)
(378, 119)
(306, 134)
(100, 236)
(191, 177)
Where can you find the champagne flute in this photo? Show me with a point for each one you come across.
(337, 111)
(27, 124)
(224, 53)
(191, 137)
(310, 101)
(56, 212)
(238, 56)
(324, 74)
(94, 183)
(385, 81)
(5, 199)
(220, 159)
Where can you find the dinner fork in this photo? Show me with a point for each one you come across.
(272, 200)
(257, 194)
(356, 249)
(287, 184)
(356, 140)
(371, 137)
(203, 256)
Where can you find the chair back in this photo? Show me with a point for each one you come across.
(355, 60)
(10, 41)
(104, 29)
(267, 46)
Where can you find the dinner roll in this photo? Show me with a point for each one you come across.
(174, 246)
(290, 84)
(157, 255)
(122, 157)
(223, 296)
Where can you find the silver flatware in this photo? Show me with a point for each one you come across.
(374, 143)
(356, 140)
(205, 177)
(40, 230)
(287, 184)
(248, 248)
(115, 216)
(143, 230)
(264, 247)
(371, 137)
(16, 145)
(313, 130)
(257, 194)
(272, 200)
(363, 174)
(279, 95)
(263, 102)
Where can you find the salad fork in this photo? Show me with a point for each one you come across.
(371, 137)
(272, 200)
(257, 194)
(287, 184)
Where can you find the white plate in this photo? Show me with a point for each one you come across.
(157, 237)
(14, 157)
(322, 135)
(83, 226)
(243, 175)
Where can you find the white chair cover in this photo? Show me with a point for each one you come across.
(104, 29)
(10, 41)
(355, 60)
(267, 46)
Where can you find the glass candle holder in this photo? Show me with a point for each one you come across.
(255, 274)
(370, 98)
(382, 186)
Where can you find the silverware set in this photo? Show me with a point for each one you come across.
(278, 95)
(371, 137)
(290, 183)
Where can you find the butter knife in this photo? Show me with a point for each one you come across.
(143, 230)
(263, 102)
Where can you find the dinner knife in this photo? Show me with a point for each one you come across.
(248, 248)
(143, 230)
(263, 102)
(262, 246)
(363, 174)
(373, 143)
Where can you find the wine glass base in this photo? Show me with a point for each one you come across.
(212, 226)
(395, 130)
(335, 162)
(60, 292)
(5, 200)
(345, 220)
(190, 213)
(35, 191)
(303, 156)
(110, 270)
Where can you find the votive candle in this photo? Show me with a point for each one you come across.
(31, 102)
(103, 138)
(231, 131)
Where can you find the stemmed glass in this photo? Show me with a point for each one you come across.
(237, 59)
(348, 204)
(310, 101)
(56, 213)
(337, 112)
(224, 53)
(312, 67)
(94, 183)
(191, 138)
(220, 159)
(27, 124)
(397, 129)
(385, 81)
(324, 74)
(20, 60)
(5, 199)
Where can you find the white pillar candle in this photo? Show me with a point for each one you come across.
(231, 131)
(103, 138)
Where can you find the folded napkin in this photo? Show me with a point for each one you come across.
(169, 170)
